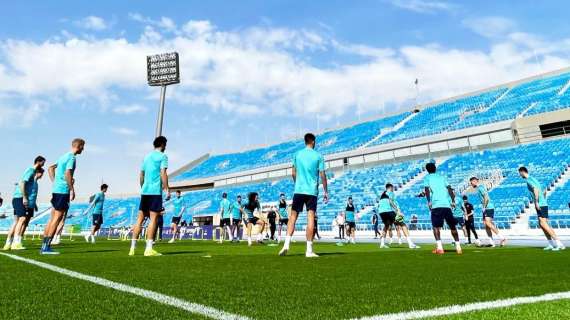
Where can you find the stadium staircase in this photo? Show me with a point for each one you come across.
(564, 89)
(385, 132)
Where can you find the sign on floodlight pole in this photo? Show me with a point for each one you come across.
(162, 70)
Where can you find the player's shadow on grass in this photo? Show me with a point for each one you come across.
(322, 254)
(180, 252)
(97, 251)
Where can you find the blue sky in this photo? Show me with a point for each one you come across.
(253, 72)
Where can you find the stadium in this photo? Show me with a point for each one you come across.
(218, 258)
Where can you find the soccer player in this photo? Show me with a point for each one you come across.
(32, 205)
(97, 211)
(470, 221)
(63, 192)
(22, 205)
(153, 181)
(283, 214)
(308, 166)
(350, 221)
(400, 221)
(271, 219)
(458, 215)
(375, 223)
(488, 209)
(225, 217)
(541, 206)
(249, 209)
(236, 218)
(387, 209)
(179, 208)
(441, 199)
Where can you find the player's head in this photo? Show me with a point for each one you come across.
(77, 145)
(523, 172)
(224, 195)
(252, 197)
(282, 196)
(39, 161)
(349, 199)
(160, 143)
(178, 193)
(474, 181)
(39, 173)
(310, 140)
(431, 168)
(104, 187)
(239, 198)
(464, 198)
(389, 187)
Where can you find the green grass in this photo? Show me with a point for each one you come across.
(345, 282)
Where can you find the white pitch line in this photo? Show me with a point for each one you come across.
(147, 294)
(457, 309)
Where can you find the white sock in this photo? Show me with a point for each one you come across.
(457, 245)
(9, 240)
(309, 246)
(259, 237)
(382, 241)
(149, 244)
(552, 243)
(17, 239)
(287, 242)
(133, 243)
(230, 233)
(500, 236)
(439, 245)
(410, 243)
(559, 243)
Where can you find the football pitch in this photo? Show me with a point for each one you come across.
(236, 281)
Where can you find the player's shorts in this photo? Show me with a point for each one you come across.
(151, 203)
(351, 224)
(237, 221)
(543, 213)
(30, 211)
(388, 218)
(175, 220)
(18, 205)
(225, 222)
(97, 219)
(301, 201)
(253, 220)
(60, 201)
(459, 221)
(439, 215)
(283, 221)
(489, 213)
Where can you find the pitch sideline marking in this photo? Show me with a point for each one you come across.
(478, 306)
(151, 295)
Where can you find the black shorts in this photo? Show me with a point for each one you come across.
(150, 203)
(302, 201)
(225, 222)
(351, 224)
(236, 221)
(97, 219)
(388, 218)
(489, 213)
(253, 220)
(459, 221)
(175, 220)
(439, 215)
(543, 213)
(30, 211)
(284, 221)
(19, 209)
(60, 201)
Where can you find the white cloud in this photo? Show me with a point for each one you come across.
(92, 23)
(20, 116)
(124, 131)
(130, 109)
(423, 6)
(268, 70)
(490, 27)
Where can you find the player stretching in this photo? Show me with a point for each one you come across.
(178, 203)
(283, 214)
(400, 220)
(308, 166)
(488, 209)
(63, 192)
(225, 217)
(249, 209)
(97, 210)
(441, 199)
(541, 206)
(350, 221)
(24, 203)
(236, 219)
(153, 180)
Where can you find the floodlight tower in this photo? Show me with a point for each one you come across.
(162, 70)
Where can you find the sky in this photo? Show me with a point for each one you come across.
(252, 72)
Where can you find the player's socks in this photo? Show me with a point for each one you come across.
(560, 245)
(248, 240)
(133, 244)
(45, 244)
(400, 240)
(149, 244)
(8, 244)
(87, 238)
(439, 245)
(458, 247)
(382, 242)
(17, 239)
(287, 242)
(309, 247)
